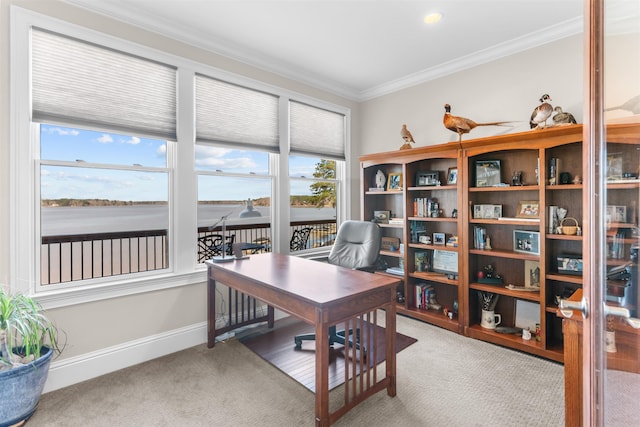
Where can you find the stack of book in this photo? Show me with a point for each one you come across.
(425, 207)
(398, 271)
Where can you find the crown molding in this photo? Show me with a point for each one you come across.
(140, 18)
(547, 35)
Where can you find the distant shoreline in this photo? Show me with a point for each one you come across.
(297, 201)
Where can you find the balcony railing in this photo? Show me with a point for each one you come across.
(68, 258)
(88, 256)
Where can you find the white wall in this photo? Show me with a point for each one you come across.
(504, 90)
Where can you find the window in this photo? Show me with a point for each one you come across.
(104, 204)
(236, 141)
(316, 168)
(313, 202)
(104, 198)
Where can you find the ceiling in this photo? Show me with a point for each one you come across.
(353, 48)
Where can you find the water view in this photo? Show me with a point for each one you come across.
(103, 219)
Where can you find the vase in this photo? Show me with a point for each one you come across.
(21, 387)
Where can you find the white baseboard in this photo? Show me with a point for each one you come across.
(90, 365)
(84, 367)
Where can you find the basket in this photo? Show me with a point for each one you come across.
(569, 229)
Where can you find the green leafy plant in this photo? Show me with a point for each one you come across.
(24, 330)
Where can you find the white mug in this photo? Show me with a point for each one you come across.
(490, 319)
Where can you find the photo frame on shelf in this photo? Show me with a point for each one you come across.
(452, 176)
(487, 211)
(614, 166)
(527, 314)
(382, 217)
(390, 243)
(421, 263)
(445, 262)
(427, 178)
(569, 264)
(394, 182)
(616, 214)
(528, 209)
(526, 241)
(532, 274)
(488, 173)
(439, 239)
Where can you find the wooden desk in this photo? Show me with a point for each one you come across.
(323, 295)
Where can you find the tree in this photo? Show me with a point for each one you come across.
(324, 193)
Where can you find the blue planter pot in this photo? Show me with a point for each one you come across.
(20, 389)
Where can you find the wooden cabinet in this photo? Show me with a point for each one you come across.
(503, 211)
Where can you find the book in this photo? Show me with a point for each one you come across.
(395, 270)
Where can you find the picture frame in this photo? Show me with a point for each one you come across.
(420, 261)
(528, 209)
(439, 239)
(445, 262)
(382, 217)
(388, 243)
(616, 214)
(487, 173)
(427, 178)
(394, 182)
(569, 264)
(532, 274)
(452, 176)
(487, 211)
(527, 314)
(614, 166)
(525, 241)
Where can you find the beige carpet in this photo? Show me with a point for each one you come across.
(444, 379)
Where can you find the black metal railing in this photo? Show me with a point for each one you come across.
(88, 256)
(69, 258)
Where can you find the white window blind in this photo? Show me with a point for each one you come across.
(83, 84)
(316, 131)
(233, 115)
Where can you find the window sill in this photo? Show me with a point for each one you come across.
(113, 289)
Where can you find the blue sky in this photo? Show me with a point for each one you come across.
(82, 146)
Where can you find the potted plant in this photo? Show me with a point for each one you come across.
(28, 340)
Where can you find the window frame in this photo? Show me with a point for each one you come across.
(183, 267)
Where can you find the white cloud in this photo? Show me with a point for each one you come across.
(62, 131)
(213, 157)
(105, 139)
(134, 140)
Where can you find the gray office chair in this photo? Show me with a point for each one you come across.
(357, 246)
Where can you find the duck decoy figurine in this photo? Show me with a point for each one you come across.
(563, 117)
(462, 125)
(541, 113)
(407, 137)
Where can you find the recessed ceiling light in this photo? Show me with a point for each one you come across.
(432, 18)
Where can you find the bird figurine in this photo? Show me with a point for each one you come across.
(407, 137)
(462, 125)
(541, 113)
(632, 105)
(562, 117)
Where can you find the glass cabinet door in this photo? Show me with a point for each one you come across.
(619, 326)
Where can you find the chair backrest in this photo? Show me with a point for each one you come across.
(357, 244)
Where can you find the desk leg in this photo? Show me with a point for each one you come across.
(211, 312)
(322, 370)
(390, 317)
